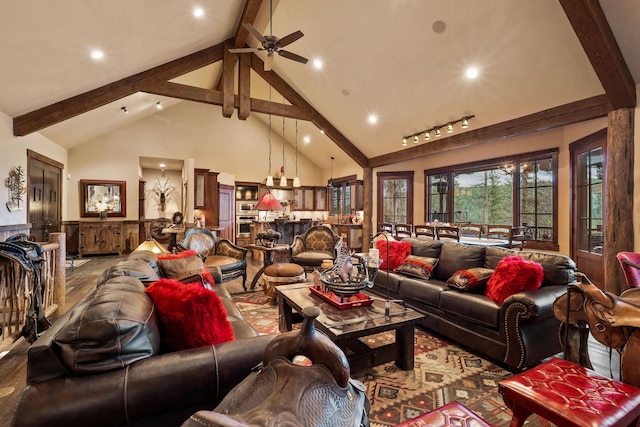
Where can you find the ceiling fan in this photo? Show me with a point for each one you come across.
(271, 43)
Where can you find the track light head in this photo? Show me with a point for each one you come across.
(449, 127)
(465, 123)
(438, 133)
(427, 135)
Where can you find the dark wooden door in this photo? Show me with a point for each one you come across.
(226, 197)
(44, 184)
(588, 208)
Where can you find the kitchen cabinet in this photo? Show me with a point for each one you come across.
(201, 199)
(100, 237)
(320, 199)
(303, 198)
(351, 235)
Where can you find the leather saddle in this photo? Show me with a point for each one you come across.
(283, 393)
(613, 321)
(29, 255)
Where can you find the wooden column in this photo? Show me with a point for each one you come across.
(618, 197)
(367, 187)
(60, 278)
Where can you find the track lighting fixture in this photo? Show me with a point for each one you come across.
(464, 124)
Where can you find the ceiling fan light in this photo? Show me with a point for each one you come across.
(269, 182)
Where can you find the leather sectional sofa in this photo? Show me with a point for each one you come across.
(126, 380)
(517, 334)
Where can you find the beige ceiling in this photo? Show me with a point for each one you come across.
(380, 57)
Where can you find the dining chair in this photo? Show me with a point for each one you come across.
(473, 230)
(386, 227)
(513, 235)
(425, 231)
(403, 230)
(448, 232)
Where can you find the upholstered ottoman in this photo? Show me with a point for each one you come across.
(453, 414)
(570, 395)
(280, 273)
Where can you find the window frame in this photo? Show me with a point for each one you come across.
(499, 163)
(381, 178)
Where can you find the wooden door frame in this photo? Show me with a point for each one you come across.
(582, 145)
(32, 155)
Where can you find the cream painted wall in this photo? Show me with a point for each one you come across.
(14, 153)
(555, 138)
(174, 201)
(237, 148)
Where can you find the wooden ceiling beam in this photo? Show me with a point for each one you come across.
(215, 97)
(574, 112)
(317, 119)
(590, 25)
(76, 105)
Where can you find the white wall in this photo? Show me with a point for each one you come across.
(14, 153)
(174, 201)
(237, 148)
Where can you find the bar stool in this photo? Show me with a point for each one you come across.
(570, 395)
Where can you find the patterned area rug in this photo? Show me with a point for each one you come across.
(442, 373)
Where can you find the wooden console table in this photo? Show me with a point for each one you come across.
(100, 237)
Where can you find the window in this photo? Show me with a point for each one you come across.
(519, 190)
(589, 201)
(395, 197)
(346, 195)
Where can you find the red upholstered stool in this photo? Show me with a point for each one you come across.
(570, 395)
(453, 414)
(281, 273)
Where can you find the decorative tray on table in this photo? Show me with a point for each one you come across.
(355, 300)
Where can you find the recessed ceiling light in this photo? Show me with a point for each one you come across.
(317, 64)
(472, 72)
(162, 165)
(97, 54)
(373, 119)
(198, 12)
(322, 131)
(307, 139)
(158, 106)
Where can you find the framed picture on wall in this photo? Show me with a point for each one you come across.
(101, 198)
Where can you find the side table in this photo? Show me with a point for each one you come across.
(267, 259)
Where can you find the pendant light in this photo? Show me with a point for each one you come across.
(330, 184)
(296, 179)
(269, 181)
(283, 178)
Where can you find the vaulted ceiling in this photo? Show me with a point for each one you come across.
(541, 64)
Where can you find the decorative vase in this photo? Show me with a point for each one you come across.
(103, 214)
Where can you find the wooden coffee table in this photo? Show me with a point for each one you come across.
(345, 327)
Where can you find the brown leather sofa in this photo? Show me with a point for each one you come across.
(100, 364)
(518, 334)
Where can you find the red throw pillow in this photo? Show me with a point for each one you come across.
(190, 315)
(512, 275)
(398, 251)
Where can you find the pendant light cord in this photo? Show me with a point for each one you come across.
(296, 147)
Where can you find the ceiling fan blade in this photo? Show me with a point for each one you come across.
(254, 32)
(290, 38)
(293, 56)
(268, 62)
(244, 50)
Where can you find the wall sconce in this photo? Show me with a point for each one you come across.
(464, 124)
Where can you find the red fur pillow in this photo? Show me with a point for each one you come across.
(190, 315)
(398, 252)
(512, 275)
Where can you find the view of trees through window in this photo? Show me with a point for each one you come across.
(519, 191)
(395, 197)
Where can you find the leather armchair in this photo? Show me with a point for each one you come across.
(317, 243)
(221, 253)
